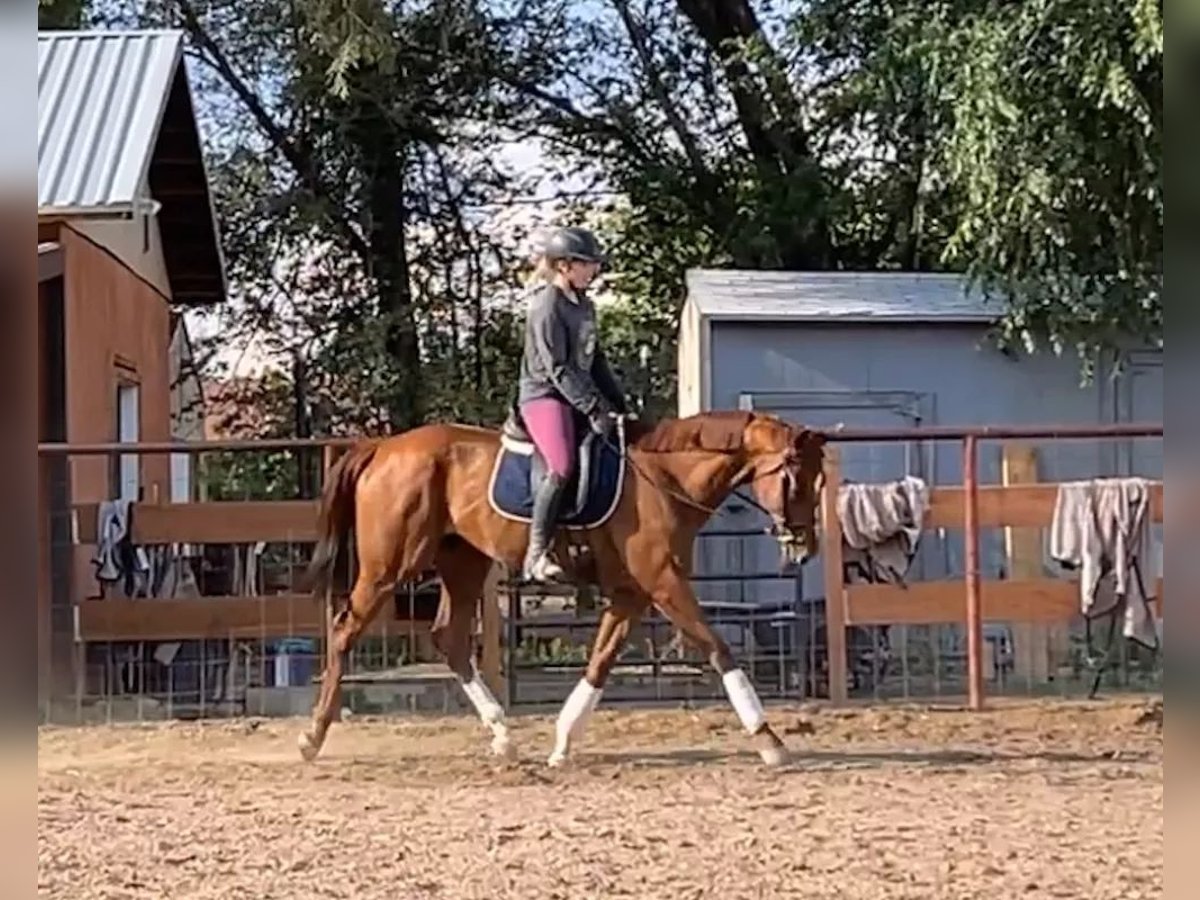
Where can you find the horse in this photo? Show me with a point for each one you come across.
(426, 499)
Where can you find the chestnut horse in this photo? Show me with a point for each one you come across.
(419, 500)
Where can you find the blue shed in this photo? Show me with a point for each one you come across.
(888, 350)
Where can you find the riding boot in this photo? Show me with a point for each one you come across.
(540, 564)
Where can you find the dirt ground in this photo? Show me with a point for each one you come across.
(1037, 799)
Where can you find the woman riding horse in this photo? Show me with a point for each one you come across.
(563, 372)
(420, 500)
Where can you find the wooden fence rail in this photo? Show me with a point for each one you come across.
(1012, 506)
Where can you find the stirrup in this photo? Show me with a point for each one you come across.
(545, 569)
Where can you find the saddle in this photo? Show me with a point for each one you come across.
(593, 490)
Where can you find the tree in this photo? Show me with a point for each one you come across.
(358, 143)
(1056, 146)
(61, 14)
(723, 129)
(367, 131)
(1022, 148)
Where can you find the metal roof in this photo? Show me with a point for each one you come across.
(101, 97)
(774, 296)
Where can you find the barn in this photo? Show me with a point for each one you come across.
(886, 350)
(127, 239)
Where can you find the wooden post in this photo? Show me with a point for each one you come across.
(971, 576)
(328, 458)
(490, 626)
(835, 592)
(1023, 550)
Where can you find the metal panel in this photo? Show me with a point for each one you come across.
(860, 462)
(835, 297)
(963, 381)
(1139, 397)
(101, 97)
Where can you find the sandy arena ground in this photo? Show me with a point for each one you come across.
(1032, 800)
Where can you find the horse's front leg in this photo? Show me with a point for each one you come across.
(672, 593)
(616, 622)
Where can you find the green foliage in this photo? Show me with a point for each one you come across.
(1057, 147)
(349, 168)
(61, 14)
(651, 255)
(373, 228)
(258, 408)
(248, 476)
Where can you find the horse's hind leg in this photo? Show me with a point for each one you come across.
(616, 622)
(463, 571)
(370, 590)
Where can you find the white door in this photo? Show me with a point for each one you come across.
(129, 431)
(181, 478)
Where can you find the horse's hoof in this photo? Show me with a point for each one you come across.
(502, 746)
(308, 747)
(773, 757)
(557, 759)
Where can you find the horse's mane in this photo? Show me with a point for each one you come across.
(713, 432)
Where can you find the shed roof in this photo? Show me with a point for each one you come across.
(774, 296)
(101, 97)
(116, 128)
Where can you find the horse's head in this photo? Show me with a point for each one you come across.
(787, 472)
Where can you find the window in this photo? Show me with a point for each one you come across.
(129, 430)
(181, 477)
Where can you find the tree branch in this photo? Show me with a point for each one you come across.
(723, 24)
(637, 37)
(296, 155)
(568, 109)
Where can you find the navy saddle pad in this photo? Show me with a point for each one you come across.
(591, 496)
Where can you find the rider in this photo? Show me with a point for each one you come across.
(563, 370)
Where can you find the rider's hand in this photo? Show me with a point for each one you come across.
(601, 419)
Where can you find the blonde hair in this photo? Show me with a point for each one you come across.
(544, 270)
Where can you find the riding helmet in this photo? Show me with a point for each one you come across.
(573, 243)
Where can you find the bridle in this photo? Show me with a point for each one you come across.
(778, 529)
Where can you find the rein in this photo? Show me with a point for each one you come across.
(623, 451)
(695, 504)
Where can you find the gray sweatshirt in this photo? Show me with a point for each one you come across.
(561, 357)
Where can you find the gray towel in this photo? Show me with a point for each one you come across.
(1101, 528)
(171, 576)
(112, 535)
(247, 569)
(116, 556)
(881, 528)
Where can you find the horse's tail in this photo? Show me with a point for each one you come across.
(336, 516)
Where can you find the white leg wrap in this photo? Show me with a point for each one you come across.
(483, 700)
(573, 717)
(744, 700)
(490, 711)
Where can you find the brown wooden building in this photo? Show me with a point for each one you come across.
(126, 235)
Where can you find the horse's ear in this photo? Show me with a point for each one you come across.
(820, 438)
(811, 440)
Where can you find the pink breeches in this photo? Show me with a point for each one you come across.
(550, 424)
